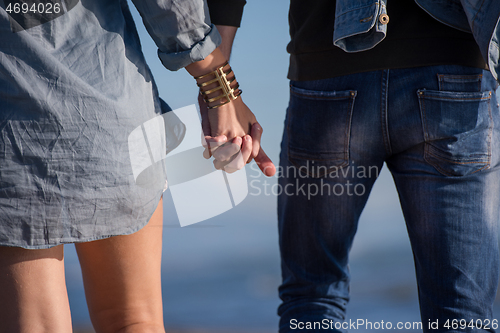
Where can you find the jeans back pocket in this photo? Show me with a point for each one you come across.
(319, 128)
(457, 130)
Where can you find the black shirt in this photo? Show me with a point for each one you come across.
(226, 12)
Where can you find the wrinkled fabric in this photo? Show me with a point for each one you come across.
(480, 17)
(181, 29)
(73, 86)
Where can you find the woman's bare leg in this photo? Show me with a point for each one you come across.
(122, 280)
(33, 297)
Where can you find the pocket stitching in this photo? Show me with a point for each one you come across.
(446, 173)
(458, 98)
(464, 78)
(320, 94)
(487, 160)
(320, 97)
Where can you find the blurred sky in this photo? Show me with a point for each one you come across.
(223, 273)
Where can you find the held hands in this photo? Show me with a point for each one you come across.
(231, 129)
(233, 137)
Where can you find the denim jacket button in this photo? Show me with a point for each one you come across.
(384, 18)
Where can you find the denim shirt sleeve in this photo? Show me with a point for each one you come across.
(481, 17)
(484, 21)
(357, 25)
(180, 28)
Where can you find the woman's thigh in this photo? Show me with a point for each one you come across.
(122, 279)
(33, 291)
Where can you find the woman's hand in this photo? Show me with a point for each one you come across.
(231, 120)
(230, 127)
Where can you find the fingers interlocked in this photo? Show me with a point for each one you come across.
(232, 156)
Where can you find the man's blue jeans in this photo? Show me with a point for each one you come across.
(438, 130)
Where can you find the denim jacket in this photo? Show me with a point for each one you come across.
(360, 24)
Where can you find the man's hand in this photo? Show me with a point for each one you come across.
(263, 161)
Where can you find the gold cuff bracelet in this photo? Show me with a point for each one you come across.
(224, 87)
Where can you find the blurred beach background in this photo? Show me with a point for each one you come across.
(222, 275)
